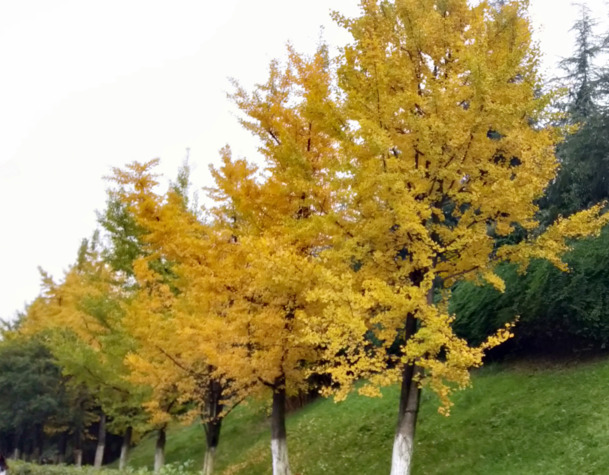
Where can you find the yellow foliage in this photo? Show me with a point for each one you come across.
(448, 148)
(386, 179)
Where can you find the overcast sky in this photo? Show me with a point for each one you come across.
(87, 85)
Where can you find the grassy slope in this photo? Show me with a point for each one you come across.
(515, 420)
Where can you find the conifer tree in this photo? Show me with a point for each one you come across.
(583, 76)
(583, 179)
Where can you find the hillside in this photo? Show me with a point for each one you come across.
(520, 419)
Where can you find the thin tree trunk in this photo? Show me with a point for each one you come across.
(213, 415)
(208, 462)
(212, 435)
(403, 443)
(61, 449)
(16, 450)
(78, 457)
(159, 452)
(37, 444)
(279, 443)
(78, 449)
(41, 443)
(122, 461)
(33, 451)
(101, 442)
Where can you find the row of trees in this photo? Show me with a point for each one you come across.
(412, 161)
(47, 417)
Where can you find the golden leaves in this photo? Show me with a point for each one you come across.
(450, 151)
(384, 181)
(553, 242)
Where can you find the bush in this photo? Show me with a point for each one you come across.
(558, 310)
(23, 468)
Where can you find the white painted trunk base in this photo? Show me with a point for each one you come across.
(279, 452)
(99, 455)
(78, 458)
(402, 455)
(122, 461)
(159, 459)
(208, 463)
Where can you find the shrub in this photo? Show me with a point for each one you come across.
(558, 310)
(23, 468)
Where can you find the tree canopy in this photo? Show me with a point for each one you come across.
(414, 160)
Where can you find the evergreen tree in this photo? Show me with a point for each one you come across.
(582, 75)
(32, 393)
(583, 179)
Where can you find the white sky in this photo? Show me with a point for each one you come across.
(87, 85)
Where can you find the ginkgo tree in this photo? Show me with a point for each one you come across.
(283, 217)
(186, 311)
(447, 147)
(240, 298)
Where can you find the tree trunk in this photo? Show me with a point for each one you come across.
(212, 435)
(37, 444)
(17, 442)
(78, 449)
(78, 457)
(28, 447)
(159, 452)
(41, 444)
(101, 442)
(279, 443)
(403, 443)
(208, 462)
(61, 449)
(213, 415)
(122, 461)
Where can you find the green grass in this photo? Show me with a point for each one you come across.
(517, 419)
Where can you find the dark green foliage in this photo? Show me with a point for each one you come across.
(582, 75)
(558, 310)
(584, 176)
(29, 382)
(32, 391)
(583, 179)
